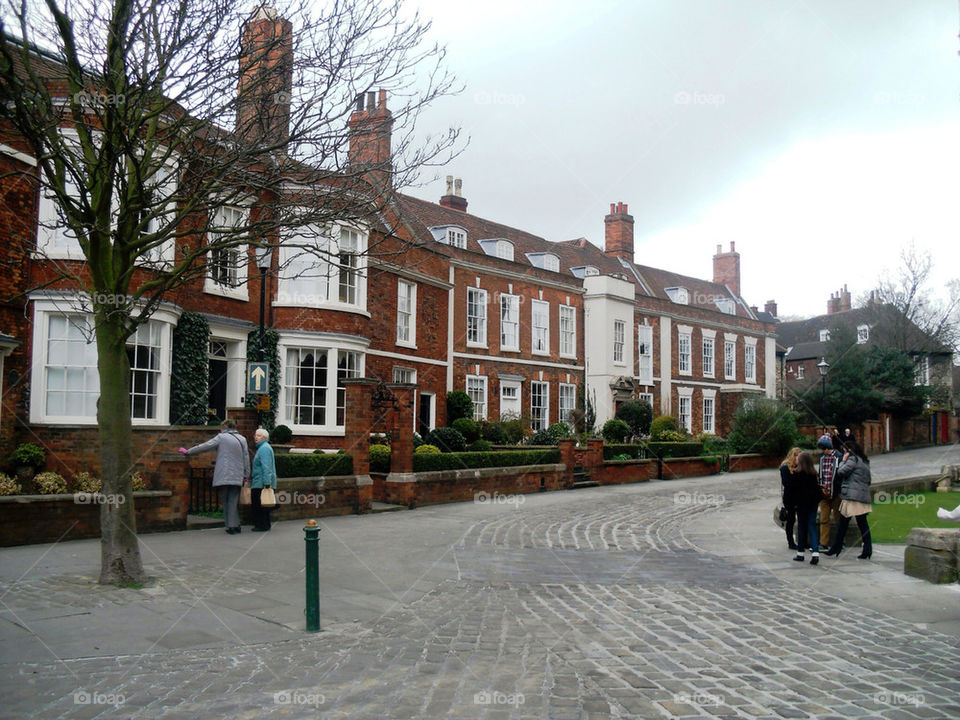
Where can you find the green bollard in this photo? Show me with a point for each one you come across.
(312, 539)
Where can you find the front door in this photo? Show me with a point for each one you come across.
(426, 418)
(218, 379)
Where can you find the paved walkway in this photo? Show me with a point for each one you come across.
(663, 599)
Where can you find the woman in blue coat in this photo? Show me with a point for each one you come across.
(264, 475)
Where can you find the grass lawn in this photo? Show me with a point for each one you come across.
(891, 521)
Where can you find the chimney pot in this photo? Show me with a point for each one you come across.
(382, 99)
(719, 249)
(458, 187)
(449, 184)
(613, 208)
(732, 246)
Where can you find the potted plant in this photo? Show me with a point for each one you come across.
(26, 459)
(280, 437)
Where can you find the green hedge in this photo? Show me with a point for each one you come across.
(632, 449)
(675, 449)
(313, 465)
(470, 460)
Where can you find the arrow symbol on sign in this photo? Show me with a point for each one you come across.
(258, 376)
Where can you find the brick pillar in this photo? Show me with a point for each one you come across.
(173, 474)
(357, 423)
(246, 420)
(593, 458)
(401, 432)
(567, 458)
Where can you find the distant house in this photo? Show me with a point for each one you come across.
(875, 324)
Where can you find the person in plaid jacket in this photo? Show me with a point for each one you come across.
(829, 487)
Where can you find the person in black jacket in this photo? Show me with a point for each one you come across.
(788, 466)
(803, 492)
(854, 473)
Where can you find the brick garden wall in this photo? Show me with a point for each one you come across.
(446, 486)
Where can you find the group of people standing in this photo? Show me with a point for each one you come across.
(836, 485)
(233, 470)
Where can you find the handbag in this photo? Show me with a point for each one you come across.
(245, 495)
(780, 515)
(268, 498)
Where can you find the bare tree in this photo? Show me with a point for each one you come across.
(170, 150)
(936, 315)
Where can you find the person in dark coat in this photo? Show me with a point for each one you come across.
(803, 492)
(788, 466)
(855, 478)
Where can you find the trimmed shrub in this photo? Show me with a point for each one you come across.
(28, 454)
(615, 430)
(672, 436)
(513, 431)
(637, 414)
(558, 431)
(712, 443)
(379, 458)
(313, 465)
(661, 424)
(85, 482)
(675, 449)
(541, 437)
(765, 426)
(466, 427)
(459, 405)
(49, 483)
(281, 434)
(447, 439)
(426, 450)
(470, 460)
(9, 486)
(493, 432)
(480, 446)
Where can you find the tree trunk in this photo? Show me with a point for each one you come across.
(120, 561)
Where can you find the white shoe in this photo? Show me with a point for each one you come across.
(953, 515)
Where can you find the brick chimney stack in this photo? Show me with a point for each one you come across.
(618, 232)
(454, 198)
(371, 125)
(839, 301)
(266, 78)
(845, 300)
(771, 307)
(726, 268)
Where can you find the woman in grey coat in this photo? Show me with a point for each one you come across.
(231, 469)
(854, 474)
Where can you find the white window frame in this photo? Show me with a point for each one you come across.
(479, 389)
(711, 426)
(214, 287)
(685, 419)
(306, 341)
(406, 317)
(457, 237)
(730, 359)
(619, 333)
(863, 334)
(824, 335)
(645, 354)
(568, 331)
(399, 373)
(544, 388)
(540, 327)
(44, 309)
(800, 371)
(505, 250)
(684, 353)
(708, 350)
(750, 362)
(921, 373)
(646, 396)
(566, 402)
(551, 262)
(313, 254)
(479, 326)
(510, 304)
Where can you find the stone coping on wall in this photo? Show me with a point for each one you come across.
(474, 473)
(72, 496)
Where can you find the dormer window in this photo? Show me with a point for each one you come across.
(451, 235)
(863, 334)
(505, 249)
(585, 271)
(679, 295)
(547, 261)
(726, 306)
(824, 335)
(457, 238)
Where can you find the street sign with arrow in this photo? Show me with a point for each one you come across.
(258, 378)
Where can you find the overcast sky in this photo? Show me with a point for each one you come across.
(819, 135)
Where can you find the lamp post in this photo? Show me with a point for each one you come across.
(263, 264)
(822, 368)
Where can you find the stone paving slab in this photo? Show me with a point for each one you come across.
(620, 602)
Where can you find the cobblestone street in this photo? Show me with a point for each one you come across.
(665, 599)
